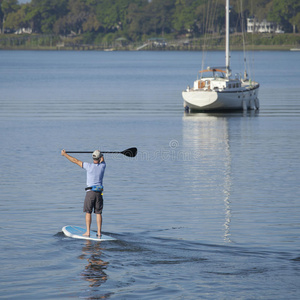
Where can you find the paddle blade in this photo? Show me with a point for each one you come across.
(131, 152)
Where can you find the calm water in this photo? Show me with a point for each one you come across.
(209, 209)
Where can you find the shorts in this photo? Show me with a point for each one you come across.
(93, 201)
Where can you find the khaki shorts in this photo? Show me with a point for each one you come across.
(93, 201)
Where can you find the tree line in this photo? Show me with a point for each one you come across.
(136, 20)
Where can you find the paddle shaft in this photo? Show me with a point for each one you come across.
(93, 151)
(131, 152)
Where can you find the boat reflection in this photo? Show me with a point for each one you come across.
(207, 136)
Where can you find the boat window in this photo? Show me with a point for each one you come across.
(229, 86)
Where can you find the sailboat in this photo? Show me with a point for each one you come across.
(215, 88)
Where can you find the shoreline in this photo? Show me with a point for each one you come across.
(258, 42)
(112, 49)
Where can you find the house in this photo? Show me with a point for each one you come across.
(253, 25)
(24, 30)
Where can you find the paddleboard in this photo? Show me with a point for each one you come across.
(77, 232)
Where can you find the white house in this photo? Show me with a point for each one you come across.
(253, 25)
(24, 30)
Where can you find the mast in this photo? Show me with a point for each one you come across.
(227, 57)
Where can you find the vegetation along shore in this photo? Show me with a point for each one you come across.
(147, 24)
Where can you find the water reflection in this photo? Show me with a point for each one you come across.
(208, 135)
(94, 271)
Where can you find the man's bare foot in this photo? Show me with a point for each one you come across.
(86, 234)
(99, 235)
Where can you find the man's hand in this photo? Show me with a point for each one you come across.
(71, 158)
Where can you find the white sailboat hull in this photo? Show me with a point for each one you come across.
(203, 100)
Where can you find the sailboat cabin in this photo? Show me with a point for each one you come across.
(217, 84)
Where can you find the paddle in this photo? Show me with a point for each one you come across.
(130, 152)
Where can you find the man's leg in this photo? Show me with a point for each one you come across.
(98, 211)
(88, 208)
(99, 224)
(88, 221)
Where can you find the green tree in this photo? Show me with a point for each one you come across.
(44, 13)
(195, 16)
(296, 22)
(16, 19)
(258, 8)
(7, 7)
(183, 19)
(284, 13)
(160, 13)
(77, 13)
(134, 20)
(111, 13)
(81, 18)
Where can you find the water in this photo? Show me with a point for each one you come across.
(209, 208)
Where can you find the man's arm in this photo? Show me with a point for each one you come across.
(71, 158)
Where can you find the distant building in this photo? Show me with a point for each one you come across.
(24, 30)
(253, 25)
(158, 42)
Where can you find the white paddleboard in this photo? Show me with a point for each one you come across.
(77, 232)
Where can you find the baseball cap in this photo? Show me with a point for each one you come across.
(96, 154)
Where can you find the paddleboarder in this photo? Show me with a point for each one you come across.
(93, 199)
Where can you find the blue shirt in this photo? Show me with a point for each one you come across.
(95, 173)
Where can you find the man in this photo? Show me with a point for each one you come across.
(93, 199)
